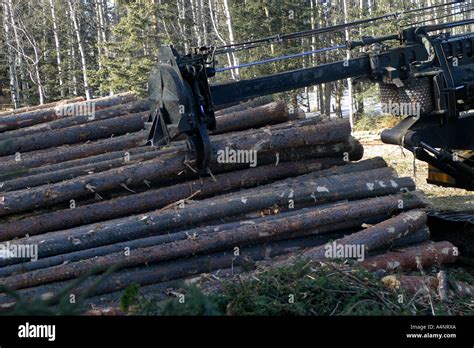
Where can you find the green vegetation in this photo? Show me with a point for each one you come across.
(304, 289)
(371, 123)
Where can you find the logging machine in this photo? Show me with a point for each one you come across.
(422, 64)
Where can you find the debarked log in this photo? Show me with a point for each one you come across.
(162, 168)
(157, 222)
(205, 243)
(31, 118)
(373, 237)
(75, 134)
(69, 121)
(424, 255)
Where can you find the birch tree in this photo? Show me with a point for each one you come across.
(10, 56)
(74, 19)
(57, 48)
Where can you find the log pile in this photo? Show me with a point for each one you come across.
(85, 193)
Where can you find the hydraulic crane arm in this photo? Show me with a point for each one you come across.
(226, 93)
(436, 72)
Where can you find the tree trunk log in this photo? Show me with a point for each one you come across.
(154, 199)
(334, 230)
(351, 147)
(417, 284)
(69, 121)
(420, 236)
(11, 169)
(75, 134)
(122, 206)
(31, 118)
(292, 226)
(252, 118)
(376, 236)
(427, 254)
(245, 105)
(41, 107)
(161, 221)
(162, 168)
(176, 269)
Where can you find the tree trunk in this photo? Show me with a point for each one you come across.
(348, 57)
(80, 45)
(43, 115)
(230, 29)
(11, 168)
(376, 236)
(75, 134)
(160, 168)
(82, 118)
(10, 57)
(412, 258)
(276, 229)
(157, 198)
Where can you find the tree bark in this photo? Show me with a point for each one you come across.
(155, 199)
(80, 44)
(176, 269)
(161, 168)
(10, 168)
(252, 118)
(69, 121)
(40, 107)
(244, 235)
(75, 134)
(122, 159)
(158, 222)
(10, 57)
(417, 284)
(34, 117)
(377, 236)
(57, 48)
(408, 259)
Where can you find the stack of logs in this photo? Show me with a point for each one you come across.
(78, 183)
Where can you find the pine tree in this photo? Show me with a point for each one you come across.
(131, 54)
